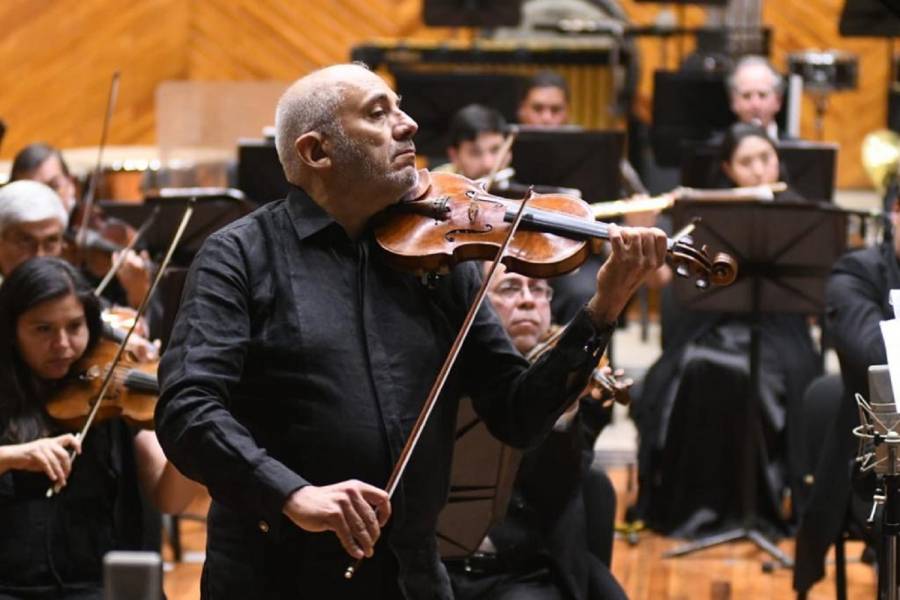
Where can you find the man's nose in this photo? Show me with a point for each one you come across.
(406, 127)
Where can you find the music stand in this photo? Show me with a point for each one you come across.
(784, 252)
(870, 18)
(472, 13)
(259, 172)
(432, 99)
(571, 158)
(215, 208)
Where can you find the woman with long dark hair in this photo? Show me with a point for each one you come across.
(53, 548)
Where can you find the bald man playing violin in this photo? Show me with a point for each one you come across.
(299, 361)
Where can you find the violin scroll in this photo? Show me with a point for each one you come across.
(688, 261)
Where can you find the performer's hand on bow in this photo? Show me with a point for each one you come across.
(49, 455)
(354, 510)
(636, 252)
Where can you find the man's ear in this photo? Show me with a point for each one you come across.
(452, 154)
(312, 152)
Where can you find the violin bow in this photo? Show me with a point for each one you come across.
(107, 378)
(123, 254)
(443, 374)
(87, 202)
(501, 156)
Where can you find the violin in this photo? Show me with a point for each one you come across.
(608, 386)
(454, 219)
(103, 237)
(132, 393)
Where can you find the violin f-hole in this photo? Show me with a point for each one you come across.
(449, 236)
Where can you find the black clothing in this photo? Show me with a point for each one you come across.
(572, 291)
(54, 548)
(690, 416)
(543, 544)
(857, 300)
(299, 356)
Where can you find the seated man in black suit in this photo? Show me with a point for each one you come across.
(556, 539)
(856, 301)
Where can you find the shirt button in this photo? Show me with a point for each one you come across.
(264, 527)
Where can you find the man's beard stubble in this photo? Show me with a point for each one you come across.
(351, 159)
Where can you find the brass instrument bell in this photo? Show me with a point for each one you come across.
(881, 157)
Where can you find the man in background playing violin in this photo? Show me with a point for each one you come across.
(32, 222)
(299, 361)
(556, 537)
(44, 163)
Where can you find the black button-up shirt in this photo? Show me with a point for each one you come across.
(300, 357)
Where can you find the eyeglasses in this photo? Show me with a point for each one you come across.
(512, 288)
(50, 245)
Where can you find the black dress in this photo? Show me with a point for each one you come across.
(54, 548)
(690, 416)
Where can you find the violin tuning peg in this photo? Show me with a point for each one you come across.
(682, 270)
(702, 283)
(704, 248)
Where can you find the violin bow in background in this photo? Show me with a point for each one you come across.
(87, 202)
(123, 253)
(111, 369)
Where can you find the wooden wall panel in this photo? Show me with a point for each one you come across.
(58, 55)
(58, 58)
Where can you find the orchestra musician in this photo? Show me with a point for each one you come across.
(545, 101)
(857, 299)
(683, 419)
(299, 360)
(32, 223)
(44, 163)
(54, 548)
(556, 539)
(476, 136)
(755, 90)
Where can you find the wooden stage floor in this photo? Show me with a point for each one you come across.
(730, 571)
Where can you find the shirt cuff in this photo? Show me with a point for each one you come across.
(590, 339)
(278, 483)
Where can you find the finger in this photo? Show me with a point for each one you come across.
(347, 541)
(368, 517)
(46, 466)
(62, 457)
(358, 530)
(648, 249)
(379, 501)
(615, 239)
(662, 246)
(59, 473)
(69, 440)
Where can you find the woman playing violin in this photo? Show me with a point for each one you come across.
(53, 548)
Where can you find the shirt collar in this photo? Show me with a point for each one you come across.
(307, 217)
